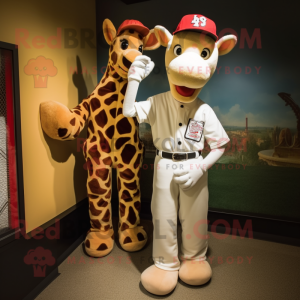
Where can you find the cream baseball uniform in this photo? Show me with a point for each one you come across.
(169, 121)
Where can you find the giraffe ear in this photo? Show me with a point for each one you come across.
(150, 41)
(109, 31)
(163, 35)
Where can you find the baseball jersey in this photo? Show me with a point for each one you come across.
(181, 127)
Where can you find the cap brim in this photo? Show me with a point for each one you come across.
(138, 28)
(214, 37)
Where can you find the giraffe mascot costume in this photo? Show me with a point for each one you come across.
(112, 141)
(180, 123)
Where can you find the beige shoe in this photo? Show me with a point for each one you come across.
(195, 272)
(158, 281)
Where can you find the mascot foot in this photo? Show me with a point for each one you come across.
(158, 281)
(133, 239)
(99, 243)
(195, 272)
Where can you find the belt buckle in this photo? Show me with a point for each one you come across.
(174, 159)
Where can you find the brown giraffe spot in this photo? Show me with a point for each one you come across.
(139, 173)
(111, 99)
(113, 236)
(95, 187)
(124, 227)
(110, 87)
(77, 112)
(127, 174)
(140, 37)
(72, 122)
(131, 216)
(122, 209)
(120, 111)
(112, 68)
(136, 194)
(102, 173)
(131, 185)
(115, 158)
(95, 154)
(108, 195)
(81, 123)
(107, 184)
(107, 161)
(62, 132)
(119, 184)
(137, 205)
(93, 196)
(86, 106)
(96, 224)
(102, 203)
(101, 118)
(84, 117)
(127, 240)
(87, 244)
(78, 107)
(111, 47)
(93, 210)
(104, 143)
(66, 137)
(128, 153)
(113, 112)
(140, 237)
(124, 88)
(126, 196)
(114, 57)
(110, 131)
(116, 75)
(77, 132)
(105, 76)
(91, 126)
(121, 141)
(89, 166)
(95, 104)
(138, 161)
(127, 63)
(120, 166)
(124, 126)
(106, 217)
(94, 139)
(120, 80)
(102, 247)
(106, 227)
(135, 136)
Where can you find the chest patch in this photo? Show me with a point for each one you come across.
(194, 130)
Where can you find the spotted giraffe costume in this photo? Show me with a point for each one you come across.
(112, 141)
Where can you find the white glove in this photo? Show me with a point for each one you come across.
(140, 68)
(193, 169)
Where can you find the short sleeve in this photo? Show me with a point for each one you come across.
(145, 111)
(214, 132)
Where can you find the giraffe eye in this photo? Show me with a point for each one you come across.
(177, 50)
(141, 48)
(124, 44)
(205, 53)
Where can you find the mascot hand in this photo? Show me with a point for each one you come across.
(140, 68)
(188, 175)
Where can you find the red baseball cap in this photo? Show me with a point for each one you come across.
(134, 24)
(198, 23)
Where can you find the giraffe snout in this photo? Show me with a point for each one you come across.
(129, 57)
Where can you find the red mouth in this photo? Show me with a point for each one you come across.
(184, 91)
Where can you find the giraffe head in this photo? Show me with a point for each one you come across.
(131, 39)
(192, 55)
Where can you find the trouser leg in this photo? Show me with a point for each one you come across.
(193, 216)
(164, 208)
